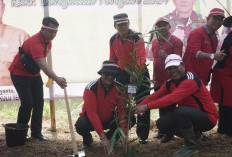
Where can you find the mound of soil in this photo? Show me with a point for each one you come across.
(59, 145)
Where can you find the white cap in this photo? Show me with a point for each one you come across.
(173, 60)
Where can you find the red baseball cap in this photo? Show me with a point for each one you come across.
(216, 11)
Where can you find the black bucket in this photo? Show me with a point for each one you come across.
(15, 135)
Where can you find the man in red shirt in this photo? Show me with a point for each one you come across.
(196, 111)
(221, 84)
(124, 43)
(161, 49)
(101, 98)
(202, 44)
(30, 86)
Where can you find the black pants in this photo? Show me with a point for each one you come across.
(84, 127)
(30, 91)
(225, 120)
(143, 121)
(165, 110)
(184, 118)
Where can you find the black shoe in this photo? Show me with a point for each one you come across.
(87, 145)
(28, 138)
(40, 137)
(167, 138)
(141, 141)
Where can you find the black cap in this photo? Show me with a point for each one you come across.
(228, 21)
(121, 18)
(109, 66)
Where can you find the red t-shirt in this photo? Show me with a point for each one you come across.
(199, 40)
(221, 84)
(160, 75)
(189, 92)
(120, 50)
(34, 46)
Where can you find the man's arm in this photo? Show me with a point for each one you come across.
(90, 100)
(41, 62)
(194, 43)
(158, 94)
(218, 56)
(184, 89)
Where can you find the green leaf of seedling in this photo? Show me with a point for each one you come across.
(146, 42)
(134, 34)
(124, 100)
(151, 37)
(121, 132)
(131, 73)
(122, 121)
(157, 29)
(162, 37)
(142, 98)
(113, 139)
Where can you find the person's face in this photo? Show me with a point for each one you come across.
(2, 9)
(215, 22)
(164, 32)
(122, 28)
(184, 6)
(108, 78)
(176, 72)
(48, 34)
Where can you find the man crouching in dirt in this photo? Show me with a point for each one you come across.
(195, 113)
(101, 97)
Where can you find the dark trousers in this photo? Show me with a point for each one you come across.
(225, 120)
(165, 110)
(30, 91)
(183, 118)
(143, 121)
(84, 127)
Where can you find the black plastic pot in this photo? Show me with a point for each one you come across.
(15, 134)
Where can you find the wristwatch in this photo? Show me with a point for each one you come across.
(212, 56)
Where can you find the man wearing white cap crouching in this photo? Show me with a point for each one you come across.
(195, 113)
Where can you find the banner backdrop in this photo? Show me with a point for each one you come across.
(86, 26)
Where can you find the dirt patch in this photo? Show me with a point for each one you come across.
(59, 145)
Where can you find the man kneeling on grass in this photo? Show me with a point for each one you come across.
(101, 98)
(195, 113)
